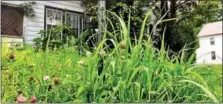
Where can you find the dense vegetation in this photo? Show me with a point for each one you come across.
(132, 71)
(182, 32)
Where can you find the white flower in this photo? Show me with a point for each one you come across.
(81, 62)
(102, 52)
(46, 77)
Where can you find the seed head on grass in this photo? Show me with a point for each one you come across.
(123, 44)
(56, 80)
(12, 56)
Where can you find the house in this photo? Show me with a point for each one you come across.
(17, 25)
(210, 40)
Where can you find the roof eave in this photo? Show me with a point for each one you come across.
(209, 35)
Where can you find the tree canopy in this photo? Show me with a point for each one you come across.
(190, 16)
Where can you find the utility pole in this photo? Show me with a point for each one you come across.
(101, 18)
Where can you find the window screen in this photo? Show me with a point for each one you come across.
(11, 21)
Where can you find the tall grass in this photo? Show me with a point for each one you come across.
(127, 73)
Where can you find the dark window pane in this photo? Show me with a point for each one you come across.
(212, 41)
(213, 55)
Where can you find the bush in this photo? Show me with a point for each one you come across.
(55, 37)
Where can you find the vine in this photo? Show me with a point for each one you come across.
(27, 9)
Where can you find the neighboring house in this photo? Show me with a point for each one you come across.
(14, 24)
(210, 40)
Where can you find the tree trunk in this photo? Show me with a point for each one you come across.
(173, 8)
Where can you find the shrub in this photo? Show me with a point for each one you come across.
(55, 37)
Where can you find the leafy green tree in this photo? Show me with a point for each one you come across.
(190, 20)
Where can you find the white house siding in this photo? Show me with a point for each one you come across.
(33, 25)
(204, 52)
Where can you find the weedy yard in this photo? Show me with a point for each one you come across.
(127, 73)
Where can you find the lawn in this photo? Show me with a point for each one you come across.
(213, 75)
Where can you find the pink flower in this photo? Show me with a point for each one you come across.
(46, 77)
(102, 52)
(32, 99)
(21, 99)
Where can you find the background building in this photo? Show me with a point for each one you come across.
(210, 41)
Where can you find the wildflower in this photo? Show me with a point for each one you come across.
(81, 62)
(32, 99)
(21, 99)
(102, 52)
(46, 77)
(56, 80)
(123, 44)
(12, 56)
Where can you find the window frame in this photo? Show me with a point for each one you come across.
(64, 11)
(79, 21)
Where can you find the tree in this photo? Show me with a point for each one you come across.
(190, 20)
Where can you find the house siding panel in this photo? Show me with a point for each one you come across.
(32, 25)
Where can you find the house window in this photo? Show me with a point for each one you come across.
(213, 55)
(74, 21)
(212, 41)
(11, 21)
(54, 17)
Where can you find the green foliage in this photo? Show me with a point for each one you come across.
(90, 3)
(123, 10)
(125, 73)
(28, 9)
(184, 32)
(213, 75)
(55, 37)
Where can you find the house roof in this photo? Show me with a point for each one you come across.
(214, 28)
